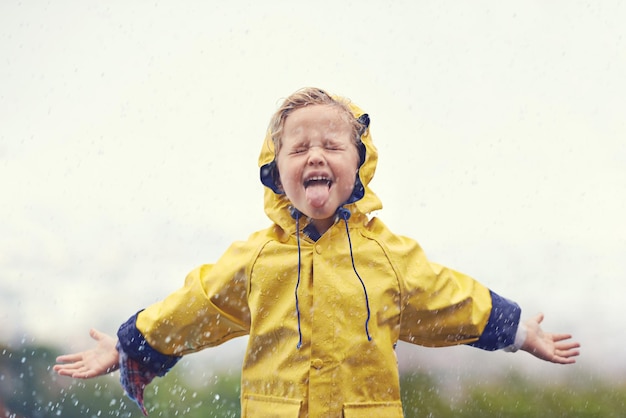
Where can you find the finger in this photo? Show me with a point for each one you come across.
(567, 353)
(95, 334)
(69, 366)
(538, 318)
(563, 360)
(66, 372)
(84, 374)
(566, 345)
(78, 371)
(567, 356)
(62, 371)
(69, 358)
(560, 337)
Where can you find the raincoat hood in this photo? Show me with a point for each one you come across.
(363, 200)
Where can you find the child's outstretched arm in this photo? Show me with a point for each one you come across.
(556, 348)
(97, 361)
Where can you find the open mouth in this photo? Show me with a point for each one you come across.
(317, 181)
(317, 188)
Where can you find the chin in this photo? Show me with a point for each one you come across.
(321, 214)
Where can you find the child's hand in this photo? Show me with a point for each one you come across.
(97, 361)
(556, 348)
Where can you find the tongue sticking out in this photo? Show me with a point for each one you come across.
(317, 194)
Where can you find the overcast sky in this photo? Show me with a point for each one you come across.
(130, 132)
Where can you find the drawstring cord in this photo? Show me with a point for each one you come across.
(345, 215)
(295, 214)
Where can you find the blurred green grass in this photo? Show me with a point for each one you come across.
(30, 389)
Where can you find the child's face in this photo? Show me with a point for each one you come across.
(317, 162)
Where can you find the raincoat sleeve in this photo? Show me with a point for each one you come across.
(443, 307)
(502, 326)
(211, 308)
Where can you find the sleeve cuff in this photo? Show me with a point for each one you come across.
(520, 339)
(133, 343)
(501, 328)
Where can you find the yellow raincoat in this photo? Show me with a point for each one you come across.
(346, 364)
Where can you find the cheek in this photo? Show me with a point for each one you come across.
(352, 171)
(286, 175)
(348, 183)
(347, 179)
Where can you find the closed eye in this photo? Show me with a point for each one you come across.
(298, 150)
(333, 146)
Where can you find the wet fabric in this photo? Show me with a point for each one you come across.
(134, 377)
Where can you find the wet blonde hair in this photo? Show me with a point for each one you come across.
(310, 96)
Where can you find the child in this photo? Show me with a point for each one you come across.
(324, 294)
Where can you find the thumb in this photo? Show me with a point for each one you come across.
(95, 334)
(538, 318)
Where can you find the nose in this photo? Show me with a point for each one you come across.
(316, 156)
